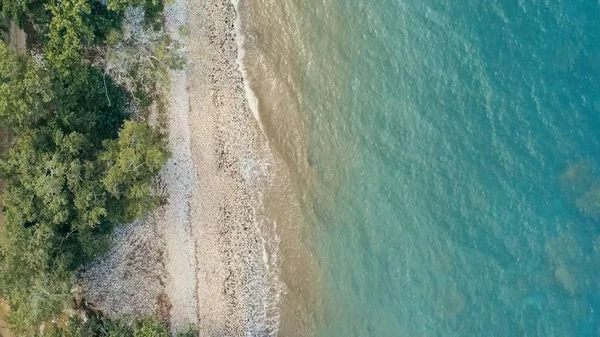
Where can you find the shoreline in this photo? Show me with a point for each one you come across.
(210, 255)
(229, 155)
(225, 167)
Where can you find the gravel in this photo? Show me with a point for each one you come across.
(199, 259)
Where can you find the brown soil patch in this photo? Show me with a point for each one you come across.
(14, 37)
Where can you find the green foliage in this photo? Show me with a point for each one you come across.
(90, 103)
(131, 161)
(102, 21)
(55, 219)
(32, 278)
(184, 30)
(68, 33)
(69, 178)
(54, 182)
(150, 328)
(17, 10)
(102, 327)
(117, 328)
(121, 5)
(76, 327)
(192, 331)
(113, 37)
(25, 91)
(77, 167)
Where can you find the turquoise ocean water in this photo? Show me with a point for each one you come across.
(445, 158)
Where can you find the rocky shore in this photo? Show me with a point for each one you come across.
(199, 260)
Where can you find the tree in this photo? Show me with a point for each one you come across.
(18, 10)
(25, 91)
(76, 168)
(70, 176)
(131, 161)
(33, 279)
(49, 169)
(68, 34)
(121, 5)
(140, 57)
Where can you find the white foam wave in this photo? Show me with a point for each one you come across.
(251, 97)
(256, 173)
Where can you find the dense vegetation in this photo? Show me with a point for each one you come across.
(98, 327)
(79, 164)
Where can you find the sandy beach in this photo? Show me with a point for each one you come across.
(205, 262)
(229, 163)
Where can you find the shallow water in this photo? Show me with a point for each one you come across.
(443, 160)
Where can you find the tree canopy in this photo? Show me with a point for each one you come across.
(130, 163)
(78, 166)
(17, 10)
(25, 91)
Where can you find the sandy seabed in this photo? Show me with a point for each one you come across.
(199, 260)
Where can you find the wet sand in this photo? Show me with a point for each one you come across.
(229, 157)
